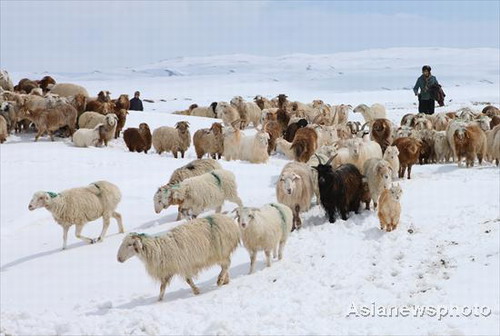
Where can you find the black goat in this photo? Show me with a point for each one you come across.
(340, 189)
(292, 129)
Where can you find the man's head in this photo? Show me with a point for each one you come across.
(137, 94)
(426, 70)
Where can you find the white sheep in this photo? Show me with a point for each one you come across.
(284, 147)
(207, 191)
(295, 189)
(185, 250)
(249, 112)
(265, 229)
(376, 111)
(91, 119)
(442, 147)
(68, 90)
(450, 131)
(360, 150)
(78, 206)
(232, 141)
(391, 155)
(254, 148)
(205, 111)
(227, 113)
(378, 174)
(5, 81)
(85, 137)
(192, 169)
(169, 139)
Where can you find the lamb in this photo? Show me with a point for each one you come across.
(249, 112)
(304, 144)
(254, 148)
(442, 148)
(409, 151)
(295, 189)
(85, 137)
(207, 191)
(51, 120)
(376, 111)
(5, 81)
(340, 189)
(391, 156)
(178, 139)
(209, 140)
(381, 132)
(205, 111)
(360, 150)
(389, 210)
(293, 128)
(3, 129)
(378, 174)
(68, 90)
(265, 229)
(185, 250)
(227, 113)
(122, 119)
(138, 139)
(78, 206)
(192, 169)
(232, 141)
(469, 141)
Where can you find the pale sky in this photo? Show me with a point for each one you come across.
(81, 36)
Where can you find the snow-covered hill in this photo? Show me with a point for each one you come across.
(445, 253)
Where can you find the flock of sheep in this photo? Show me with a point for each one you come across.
(339, 163)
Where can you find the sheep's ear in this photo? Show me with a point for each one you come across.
(137, 244)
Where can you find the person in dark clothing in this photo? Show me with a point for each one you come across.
(136, 103)
(424, 83)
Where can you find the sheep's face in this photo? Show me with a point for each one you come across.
(244, 216)
(391, 153)
(131, 245)
(111, 119)
(403, 131)
(238, 100)
(182, 127)
(460, 134)
(161, 198)
(289, 182)
(354, 147)
(5, 107)
(384, 171)
(39, 200)
(396, 192)
(360, 108)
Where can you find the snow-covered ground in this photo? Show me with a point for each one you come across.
(444, 254)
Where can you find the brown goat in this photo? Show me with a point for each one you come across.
(122, 118)
(50, 120)
(282, 101)
(304, 144)
(381, 132)
(292, 129)
(470, 142)
(283, 118)
(209, 140)
(138, 139)
(79, 103)
(122, 102)
(409, 151)
(273, 128)
(495, 120)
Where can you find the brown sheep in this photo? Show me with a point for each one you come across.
(470, 142)
(381, 132)
(304, 144)
(409, 151)
(50, 120)
(491, 111)
(138, 139)
(122, 118)
(122, 102)
(273, 128)
(79, 102)
(292, 129)
(495, 120)
(283, 118)
(282, 101)
(46, 83)
(209, 140)
(25, 85)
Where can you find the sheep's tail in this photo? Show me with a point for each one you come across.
(109, 193)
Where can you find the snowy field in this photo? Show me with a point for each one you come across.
(444, 254)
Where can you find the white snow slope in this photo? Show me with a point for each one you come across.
(444, 254)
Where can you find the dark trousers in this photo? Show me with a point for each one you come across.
(426, 106)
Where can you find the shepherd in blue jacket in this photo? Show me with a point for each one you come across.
(136, 103)
(425, 83)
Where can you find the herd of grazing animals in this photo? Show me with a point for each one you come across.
(336, 162)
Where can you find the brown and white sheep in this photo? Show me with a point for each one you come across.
(169, 139)
(469, 142)
(209, 141)
(138, 139)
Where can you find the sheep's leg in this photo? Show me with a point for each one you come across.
(78, 234)
(105, 225)
(196, 290)
(297, 223)
(182, 154)
(253, 255)
(223, 278)
(280, 249)
(268, 258)
(118, 218)
(409, 172)
(163, 286)
(179, 214)
(275, 251)
(51, 135)
(65, 236)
